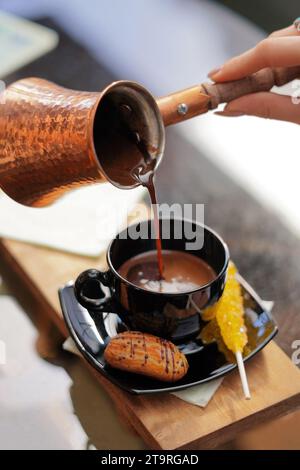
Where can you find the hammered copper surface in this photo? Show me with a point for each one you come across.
(49, 140)
(46, 144)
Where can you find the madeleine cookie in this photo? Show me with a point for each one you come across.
(146, 354)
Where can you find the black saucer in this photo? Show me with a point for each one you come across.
(92, 332)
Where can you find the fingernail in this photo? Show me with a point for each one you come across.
(214, 72)
(229, 113)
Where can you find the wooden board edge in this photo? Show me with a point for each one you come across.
(229, 433)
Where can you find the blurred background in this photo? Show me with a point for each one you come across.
(245, 170)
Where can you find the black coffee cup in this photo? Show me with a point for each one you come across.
(173, 316)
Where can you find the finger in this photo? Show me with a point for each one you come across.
(289, 31)
(266, 105)
(271, 52)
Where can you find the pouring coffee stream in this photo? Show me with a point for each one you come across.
(144, 173)
(138, 165)
(147, 180)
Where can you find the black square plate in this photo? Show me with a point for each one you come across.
(92, 332)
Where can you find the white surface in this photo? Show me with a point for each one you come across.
(21, 42)
(259, 154)
(201, 394)
(84, 221)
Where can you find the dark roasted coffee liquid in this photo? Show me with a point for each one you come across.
(147, 181)
(144, 174)
(183, 272)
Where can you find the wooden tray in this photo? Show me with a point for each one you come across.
(164, 421)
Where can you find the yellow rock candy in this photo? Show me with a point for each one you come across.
(229, 313)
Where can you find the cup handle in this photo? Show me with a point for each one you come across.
(89, 289)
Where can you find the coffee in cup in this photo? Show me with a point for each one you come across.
(183, 272)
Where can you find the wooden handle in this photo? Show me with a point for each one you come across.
(183, 105)
(263, 80)
(199, 99)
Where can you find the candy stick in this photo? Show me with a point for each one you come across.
(243, 376)
(229, 313)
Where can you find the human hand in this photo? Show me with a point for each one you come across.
(280, 49)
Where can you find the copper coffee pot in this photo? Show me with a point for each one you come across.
(53, 139)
